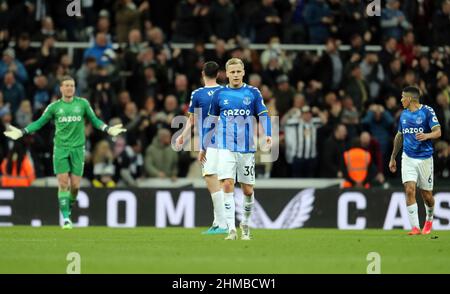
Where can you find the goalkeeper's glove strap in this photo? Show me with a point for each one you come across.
(106, 128)
(24, 131)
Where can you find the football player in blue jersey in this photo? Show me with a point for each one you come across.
(208, 156)
(238, 105)
(418, 125)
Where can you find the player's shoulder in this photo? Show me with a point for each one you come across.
(254, 90)
(427, 108)
(220, 89)
(53, 105)
(81, 99)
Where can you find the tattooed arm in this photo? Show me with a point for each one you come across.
(398, 143)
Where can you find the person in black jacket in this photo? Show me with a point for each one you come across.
(332, 151)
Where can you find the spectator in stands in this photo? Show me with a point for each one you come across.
(128, 161)
(223, 21)
(394, 77)
(357, 87)
(47, 30)
(393, 21)
(266, 22)
(182, 92)
(104, 170)
(160, 159)
(24, 115)
(102, 51)
(269, 101)
(371, 144)
(353, 20)
(272, 72)
(17, 168)
(25, 53)
(189, 20)
(389, 52)
(255, 80)
(85, 74)
(9, 63)
(406, 48)
(48, 55)
(301, 141)
(350, 116)
(332, 153)
(373, 73)
(103, 26)
(128, 18)
(284, 95)
(380, 124)
(135, 46)
(318, 18)
(440, 24)
(331, 66)
(443, 86)
(441, 160)
(157, 41)
(357, 167)
(13, 92)
(274, 51)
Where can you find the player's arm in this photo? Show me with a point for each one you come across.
(435, 134)
(263, 116)
(398, 144)
(99, 124)
(15, 133)
(434, 125)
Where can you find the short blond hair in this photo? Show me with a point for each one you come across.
(234, 61)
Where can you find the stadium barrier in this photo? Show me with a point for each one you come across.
(191, 207)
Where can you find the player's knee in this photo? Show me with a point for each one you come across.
(227, 186)
(247, 190)
(410, 191)
(74, 190)
(63, 184)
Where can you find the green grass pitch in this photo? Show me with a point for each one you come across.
(179, 250)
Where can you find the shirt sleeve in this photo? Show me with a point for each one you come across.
(96, 122)
(261, 111)
(42, 121)
(214, 108)
(432, 118)
(194, 102)
(259, 105)
(400, 127)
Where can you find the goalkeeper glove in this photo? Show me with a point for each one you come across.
(14, 133)
(115, 130)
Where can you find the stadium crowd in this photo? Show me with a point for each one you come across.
(325, 102)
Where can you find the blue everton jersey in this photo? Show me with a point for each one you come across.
(237, 109)
(412, 123)
(200, 103)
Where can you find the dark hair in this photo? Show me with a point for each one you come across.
(65, 78)
(20, 149)
(211, 68)
(413, 91)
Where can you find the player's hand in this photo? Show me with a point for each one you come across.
(421, 136)
(179, 142)
(202, 157)
(116, 130)
(13, 133)
(268, 142)
(393, 165)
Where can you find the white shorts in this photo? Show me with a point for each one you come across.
(212, 158)
(419, 171)
(232, 163)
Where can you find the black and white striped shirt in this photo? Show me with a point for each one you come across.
(301, 138)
